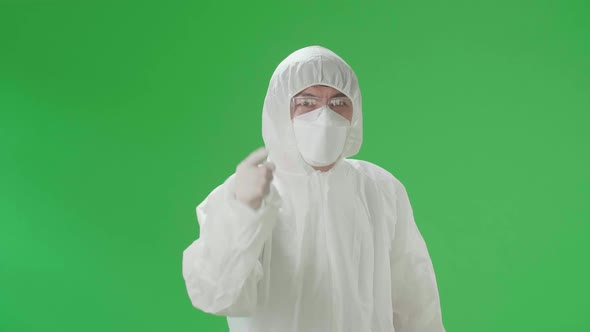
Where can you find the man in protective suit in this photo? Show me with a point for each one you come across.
(302, 238)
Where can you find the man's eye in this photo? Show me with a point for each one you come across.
(306, 102)
(338, 102)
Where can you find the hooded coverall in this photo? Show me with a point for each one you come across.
(327, 251)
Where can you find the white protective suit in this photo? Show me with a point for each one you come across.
(326, 251)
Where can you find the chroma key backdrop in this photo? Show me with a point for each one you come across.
(117, 118)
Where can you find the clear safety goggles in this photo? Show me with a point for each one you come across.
(304, 104)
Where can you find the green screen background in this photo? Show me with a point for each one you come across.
(118, 118)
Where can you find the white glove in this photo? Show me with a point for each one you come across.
(253, 178)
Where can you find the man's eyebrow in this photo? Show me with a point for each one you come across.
(339, 94)
(306, 94)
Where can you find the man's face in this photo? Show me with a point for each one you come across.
(324, 95)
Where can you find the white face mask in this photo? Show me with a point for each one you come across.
(320, 135)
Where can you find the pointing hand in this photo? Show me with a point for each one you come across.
(253, 177)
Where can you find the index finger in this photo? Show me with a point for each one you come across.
(258, 156)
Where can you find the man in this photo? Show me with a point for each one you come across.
(308, 239)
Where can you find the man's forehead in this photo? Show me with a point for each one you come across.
(320, 91)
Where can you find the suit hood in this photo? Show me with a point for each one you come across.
(312, 65)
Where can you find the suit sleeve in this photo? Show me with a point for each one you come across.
(415, 297)
(222, 269)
